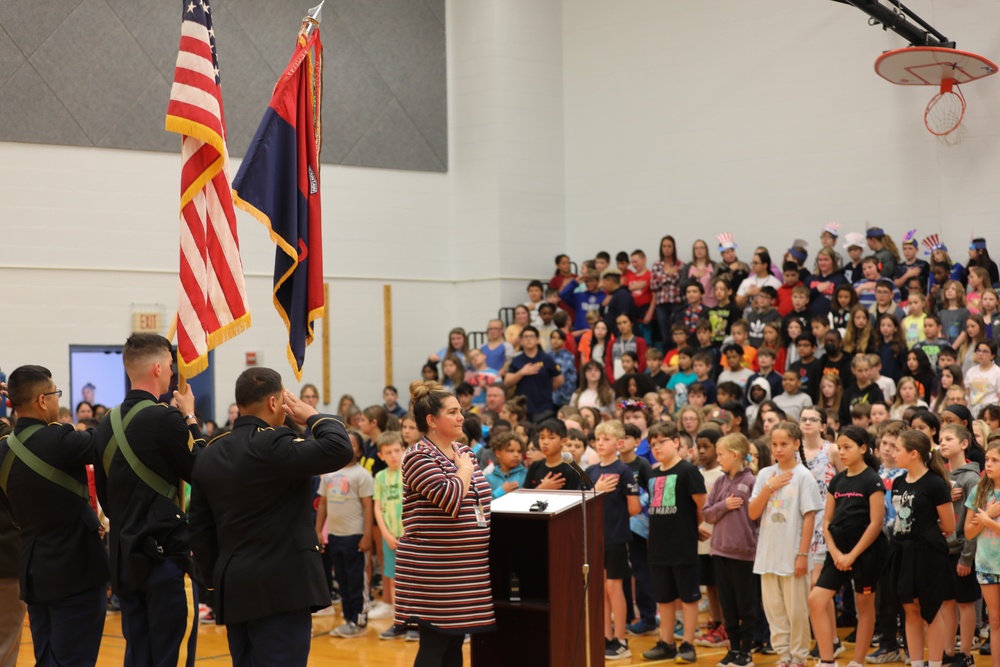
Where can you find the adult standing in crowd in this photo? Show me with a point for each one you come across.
(444, 552)
(63, 567)
(702, 269)
(760, 276)
(665, 281)
(254, 541)
(144, 450)
(826, 280)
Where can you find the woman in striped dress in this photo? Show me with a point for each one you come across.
(442, 563)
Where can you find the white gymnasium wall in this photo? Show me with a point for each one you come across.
(86, 233)
(89, 232)
(765, 118)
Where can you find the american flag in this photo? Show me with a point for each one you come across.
(212, 307)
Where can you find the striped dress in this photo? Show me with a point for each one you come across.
(442, 563)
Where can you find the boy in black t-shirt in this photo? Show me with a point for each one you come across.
(551, 472)
(676, 495)
(621, 500)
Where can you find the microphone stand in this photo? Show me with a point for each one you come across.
(586, 567)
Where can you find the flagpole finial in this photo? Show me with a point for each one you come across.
(312, 19)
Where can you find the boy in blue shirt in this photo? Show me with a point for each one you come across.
(621, 501)
(508, 471)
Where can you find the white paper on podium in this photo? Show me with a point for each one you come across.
(521, 501)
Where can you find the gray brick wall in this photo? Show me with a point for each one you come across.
(98, 73)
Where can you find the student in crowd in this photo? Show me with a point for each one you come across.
(387, 506)
(785, 499)
(960, 612)
(677, 495)
(856, 547)
(621, 501)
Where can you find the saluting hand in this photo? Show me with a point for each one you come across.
(298, 410)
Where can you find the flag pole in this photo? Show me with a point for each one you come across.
(312, 19)
(326, 344)
(181, 380)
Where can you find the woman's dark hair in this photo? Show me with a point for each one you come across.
(426, 398)
(765, 258)
(559, 258)
(929, 418)
(861, 437)
(671, 239)
(924, 370)
(757, 428)
(983, 258)
(739, 412)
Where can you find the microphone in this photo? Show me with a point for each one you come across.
(571, 462)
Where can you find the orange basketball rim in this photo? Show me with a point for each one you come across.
(936, 66)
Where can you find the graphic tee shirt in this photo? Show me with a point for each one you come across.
(916, 504)
(852, 514)
(781, 523)
(673, 515)
(389, 494)
(616, 525)
(988, 542)
(343, 491)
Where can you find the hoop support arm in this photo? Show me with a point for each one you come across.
(921, 34)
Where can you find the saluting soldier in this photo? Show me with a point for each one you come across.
(63, 566)
(144, 450)
(251, 521)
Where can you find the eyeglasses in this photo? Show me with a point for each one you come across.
(57, 393)
(811, 420)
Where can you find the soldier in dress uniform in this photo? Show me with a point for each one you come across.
(251, 521)
(144, 450)
(63, 568)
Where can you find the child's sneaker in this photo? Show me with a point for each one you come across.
(882, 656)
(741, 660)
(412, 635)
(717, 637)
(679, 630)
(661, 651)
(349, 630)
(381, 610)
(617, 649)
(686, 654)
(395, 632)
(706, 637)
(642, 627)
(726, 659)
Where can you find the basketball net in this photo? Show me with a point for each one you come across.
(944, 114)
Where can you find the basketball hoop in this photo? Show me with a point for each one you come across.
(937, 66)
(944, 113)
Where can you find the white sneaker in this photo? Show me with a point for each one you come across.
(325, 611)
(381, 610)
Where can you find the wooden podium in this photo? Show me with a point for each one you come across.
(545, 551)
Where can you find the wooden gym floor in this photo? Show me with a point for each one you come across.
(368, 650)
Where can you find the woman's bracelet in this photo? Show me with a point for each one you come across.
(466, 468)
(801, 555)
